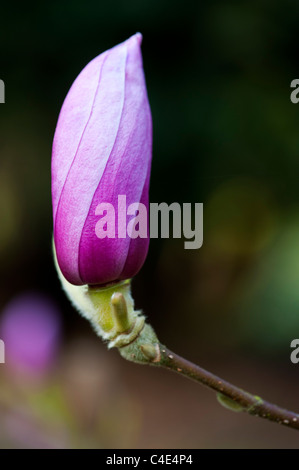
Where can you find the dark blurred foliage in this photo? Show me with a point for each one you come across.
(225, 134)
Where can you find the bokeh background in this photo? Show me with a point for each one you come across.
(225, 134)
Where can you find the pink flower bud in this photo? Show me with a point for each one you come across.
(102, 149)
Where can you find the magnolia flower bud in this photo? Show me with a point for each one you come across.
(102, 149)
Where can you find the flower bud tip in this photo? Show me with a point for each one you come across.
(139, 38)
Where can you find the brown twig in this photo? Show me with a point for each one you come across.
(229, 395)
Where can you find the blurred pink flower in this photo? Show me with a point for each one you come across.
(30, 327)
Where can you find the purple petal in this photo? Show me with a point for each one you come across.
(102, 149)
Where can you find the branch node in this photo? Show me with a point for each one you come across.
(228, 403)
(151, 352)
